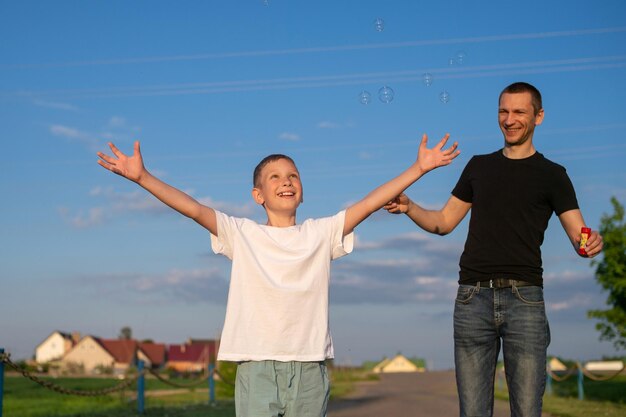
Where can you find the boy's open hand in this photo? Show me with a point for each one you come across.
(429, 159)
(130, 167)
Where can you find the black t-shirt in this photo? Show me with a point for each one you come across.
(512, 202)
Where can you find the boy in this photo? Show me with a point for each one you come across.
(276, 324)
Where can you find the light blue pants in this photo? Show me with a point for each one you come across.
(281, 389)
(486, 319)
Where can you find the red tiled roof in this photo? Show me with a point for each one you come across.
(122, 350)
(154, 351)
(197, 352)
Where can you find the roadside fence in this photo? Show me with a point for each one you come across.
(581, 372)
(206, 377)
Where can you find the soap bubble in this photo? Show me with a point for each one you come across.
(452, 61)
(385, 94)
(460, 57)
(365, 97)
(379, 24)
(428, 79)
(266, 2)
(444, 97)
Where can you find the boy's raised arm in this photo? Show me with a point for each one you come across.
(427, 160)
(132, 168)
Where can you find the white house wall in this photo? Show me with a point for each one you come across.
(50, 349)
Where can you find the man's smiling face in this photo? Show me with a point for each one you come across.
(517, 118)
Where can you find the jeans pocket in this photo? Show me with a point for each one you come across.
(529, 295)
(465, 293)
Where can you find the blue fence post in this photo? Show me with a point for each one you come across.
(211, 384)
(140, 387)
(548, 381)
(1, 379)
(581, 392)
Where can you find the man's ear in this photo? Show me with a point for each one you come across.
(539, 117)
(258, 196)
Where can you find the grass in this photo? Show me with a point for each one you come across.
(601, 398)
(25, 398)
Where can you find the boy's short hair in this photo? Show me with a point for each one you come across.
(270, 158)
(522, 87)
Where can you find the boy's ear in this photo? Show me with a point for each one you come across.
(257, 196)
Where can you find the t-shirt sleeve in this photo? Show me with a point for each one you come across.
(222, 244)
(564, 195)
(463, 188)
(340, 245)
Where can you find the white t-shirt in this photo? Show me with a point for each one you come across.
(278, 298)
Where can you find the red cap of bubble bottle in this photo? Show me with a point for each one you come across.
(584, 235)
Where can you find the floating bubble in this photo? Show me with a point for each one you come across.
(365, 97)
(385, 94)
(266, 2)
(452, 61)
(379, 24)
(460, 57)
(444, 97)
(428, 79)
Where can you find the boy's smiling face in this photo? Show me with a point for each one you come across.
(279, 189)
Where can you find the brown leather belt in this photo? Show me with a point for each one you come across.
(505, 283)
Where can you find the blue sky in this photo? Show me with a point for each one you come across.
(212, 87)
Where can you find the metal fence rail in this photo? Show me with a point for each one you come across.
(579, 370)
(205, 377)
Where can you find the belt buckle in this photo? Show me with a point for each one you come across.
(490, 283)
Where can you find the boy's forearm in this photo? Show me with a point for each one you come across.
(380, 196)
(171, 196)
(389, 190)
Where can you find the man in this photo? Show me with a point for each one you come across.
(512, 194)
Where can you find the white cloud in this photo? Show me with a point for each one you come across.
(76, 135)
(198, 285)
(55, 105)
(328, 125)
(117, 122)
(579, 301)
(289, 136)
(138, 201)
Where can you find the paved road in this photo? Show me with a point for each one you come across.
(429, 394)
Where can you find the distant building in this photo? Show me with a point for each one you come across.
(55, 346)
(398, 363)
(555, 365)
(95, 355)
(152, 354)
(604, 366)
(193, 356)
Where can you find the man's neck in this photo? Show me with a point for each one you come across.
(519, 152)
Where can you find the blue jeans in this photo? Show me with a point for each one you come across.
(484, 320)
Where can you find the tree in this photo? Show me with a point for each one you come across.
(126, 333)
(611, 274)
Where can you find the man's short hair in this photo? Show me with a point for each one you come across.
(522, 87)
(270, 158)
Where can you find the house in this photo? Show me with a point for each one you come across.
(95, 355)
(398, 363)
(193, 356)
(555, 365)
(604, 366)
(152, 354)
(55, 346)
